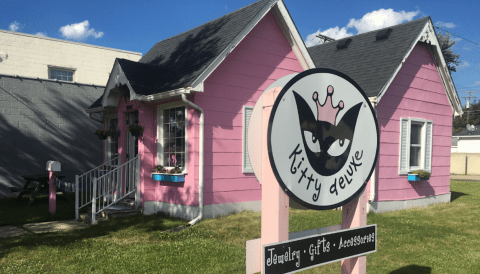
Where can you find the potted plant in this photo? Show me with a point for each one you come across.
(102, 133)
(418, 175)
(135, 129)
(159, 173)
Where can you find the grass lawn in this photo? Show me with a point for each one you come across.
(443, 238)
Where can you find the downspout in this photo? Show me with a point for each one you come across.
(200, 161)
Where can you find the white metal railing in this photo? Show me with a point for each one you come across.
(84, 184)
(114, 186)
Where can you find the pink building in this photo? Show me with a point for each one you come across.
(222, 68)
(194, 93)
(402, 71)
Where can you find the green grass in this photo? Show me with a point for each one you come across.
(442, 238)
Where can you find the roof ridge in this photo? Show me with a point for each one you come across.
(369, 32)
(202, 25)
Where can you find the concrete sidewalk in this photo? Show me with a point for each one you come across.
(55, 226)
(465, 177)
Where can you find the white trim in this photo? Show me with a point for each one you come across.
(245, 169)
(291, 32)
(108, 141)
(428, 31)
(163, 95)
(159, 139)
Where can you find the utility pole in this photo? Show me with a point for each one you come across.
(468, 101)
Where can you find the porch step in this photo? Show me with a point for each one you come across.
(116, 211)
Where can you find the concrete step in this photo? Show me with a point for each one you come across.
(115, 211)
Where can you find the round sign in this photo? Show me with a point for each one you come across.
(323, 139)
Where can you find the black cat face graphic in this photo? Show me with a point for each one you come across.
(327, 145)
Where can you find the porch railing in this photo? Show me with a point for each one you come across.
(84, 184)
(115, 185)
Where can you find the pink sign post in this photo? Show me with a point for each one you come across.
(275, 203)
(52, 167)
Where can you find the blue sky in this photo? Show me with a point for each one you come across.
(138, 25)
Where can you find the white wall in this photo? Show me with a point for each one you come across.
(469, 145)
(30, 55)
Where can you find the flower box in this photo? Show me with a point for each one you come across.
(413, 177)
(168, 177)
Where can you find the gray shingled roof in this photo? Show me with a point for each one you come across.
(177, 61)
(466, 133)
(367, 61)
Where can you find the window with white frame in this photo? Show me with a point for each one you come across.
(246, 164)
(112, 141)
(416, 140)
(60, 73)
(172, 136)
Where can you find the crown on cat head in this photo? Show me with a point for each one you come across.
(327, 112)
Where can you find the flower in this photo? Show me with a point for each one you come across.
(135, 128)
(102, 133)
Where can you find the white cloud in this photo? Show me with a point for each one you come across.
(463, 65)
(445, 25)
(79, 31)
(335, 33)
(377, 19)
(381, 18)
(41, 34)
(477, 83)
(14, 26)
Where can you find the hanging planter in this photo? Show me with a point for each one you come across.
(136, 130)
(102, 134)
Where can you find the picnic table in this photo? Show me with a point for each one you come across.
(43, 186)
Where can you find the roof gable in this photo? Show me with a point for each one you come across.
(373, 63)
(366, 56)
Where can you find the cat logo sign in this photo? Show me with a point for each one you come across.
(323, 139)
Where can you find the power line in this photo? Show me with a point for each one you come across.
(458, 36)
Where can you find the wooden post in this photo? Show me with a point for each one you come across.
(354, 214)
(52, 197)
(275, 203)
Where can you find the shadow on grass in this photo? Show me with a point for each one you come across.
(455, 195)
(413, 269)
(125, 229)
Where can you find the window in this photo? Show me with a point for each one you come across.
(415, 145)
(61, 74)
(172, 136)
(246, 164)
(112, 141)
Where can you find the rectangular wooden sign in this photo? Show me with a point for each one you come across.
(307, 252)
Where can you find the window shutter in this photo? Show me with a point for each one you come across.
(428, 146)
(404, 146)
(247, 166)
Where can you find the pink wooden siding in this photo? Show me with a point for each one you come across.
(417, 92)
(263, 56)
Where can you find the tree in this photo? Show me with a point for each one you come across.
(448, 54)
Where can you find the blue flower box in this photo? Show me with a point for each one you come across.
(413, 177)
(168, 177)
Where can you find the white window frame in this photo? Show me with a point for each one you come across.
(72, 70)
(404, 168)
(108, 141)
(160, 150)
(246, 166)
